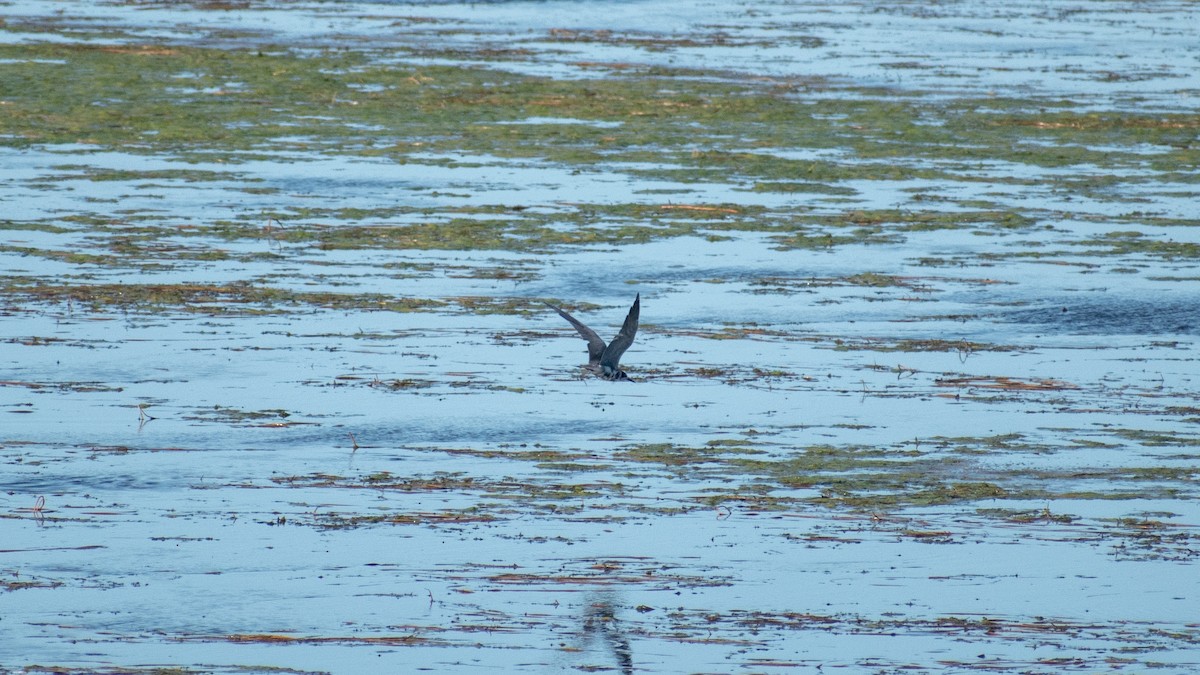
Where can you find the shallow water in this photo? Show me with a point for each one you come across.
(261, 415)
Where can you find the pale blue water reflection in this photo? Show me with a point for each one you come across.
(366, 491)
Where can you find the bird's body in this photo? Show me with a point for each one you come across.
(604, 359)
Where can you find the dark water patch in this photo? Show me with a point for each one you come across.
(105, 482)
(1114, 313)
(412, 432)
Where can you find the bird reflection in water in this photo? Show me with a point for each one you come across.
(600, 624)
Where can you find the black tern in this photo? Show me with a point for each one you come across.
(603, 359)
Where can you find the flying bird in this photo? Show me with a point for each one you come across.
(603, 359)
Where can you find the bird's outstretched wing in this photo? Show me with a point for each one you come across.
(611, 355)
(595, 344)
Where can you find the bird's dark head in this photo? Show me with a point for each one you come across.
(616, 375)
